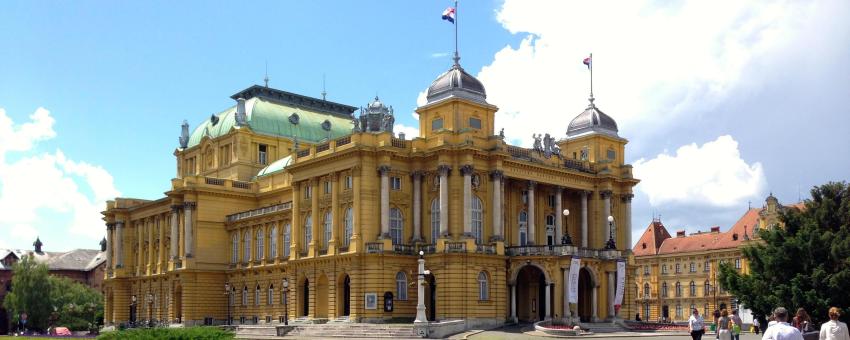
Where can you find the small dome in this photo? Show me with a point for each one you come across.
(592, 120)
(456, 82)
(376, 104)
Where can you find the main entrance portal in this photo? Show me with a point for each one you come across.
(531, 294)
(585, 295)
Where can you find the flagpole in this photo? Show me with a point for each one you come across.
(457, 56)
(591, 77)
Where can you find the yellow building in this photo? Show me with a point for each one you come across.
(674, 275)
(282, 189)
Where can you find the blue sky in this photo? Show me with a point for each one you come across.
(747, 98)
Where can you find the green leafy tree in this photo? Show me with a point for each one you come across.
(77, 305)
(30, 293)
(806, 264)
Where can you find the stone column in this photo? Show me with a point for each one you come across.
(151, 261)
(417, 205)
(548, 303)
(611, 292)
(584, 195)
(161, 256)
(384, 170)
(314, 215)
(513, 302)
(567, 312)
(444, 171)
(140, 247)
(295, 224)
(110, 240)
(559, 214)
(531, 227)
(175, 231)
(594, 303)
(119, 245)
(627, 219)
(496, 187)
(189, 239)
(605, 195)
(356, 172)
(420, 293)
(334, 243)
(466, 171)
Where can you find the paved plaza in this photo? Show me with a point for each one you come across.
(526, 331)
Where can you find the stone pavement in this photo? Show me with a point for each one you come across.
(526, 331)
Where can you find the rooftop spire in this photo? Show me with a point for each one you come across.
(266, 79)
(324, 93)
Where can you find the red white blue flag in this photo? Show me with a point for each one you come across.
(588, 61)
(449, 14)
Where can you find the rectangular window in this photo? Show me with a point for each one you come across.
(693, 267)
(678, 268)
(349, 182)
(437, 124)
(308, 191)
(475, 123)
(645, 270)
(737, 263)
(664, 269)
(327, 187)
(612, 154)
(551, 201)
(262, 154)
(395, 183)
(224, 156)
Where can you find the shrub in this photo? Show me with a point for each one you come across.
(190, 333)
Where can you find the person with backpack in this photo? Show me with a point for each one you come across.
(737, 325)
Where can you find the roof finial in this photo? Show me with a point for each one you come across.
(324, 92)
(266, 79)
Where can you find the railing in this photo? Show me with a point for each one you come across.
(485, 248)
(303, 153)
(426, 248)
(214, 181)
(374, 248)
(260, 211)
(343, 141)
(323, 147)
(241, 185)
(577, 165)
(561, 250)
(455, 247)
(403, 249)
(323, 251)
(399, 143)
(519, 152)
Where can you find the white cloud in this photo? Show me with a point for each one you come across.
(653, 61)
(439, 54)
(47, 193)
(410, 132)
(712, 174)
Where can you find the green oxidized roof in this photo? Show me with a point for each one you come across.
(276, 166)
(272, 118)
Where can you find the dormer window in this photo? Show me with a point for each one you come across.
(262, 156)
(475, 123)
(612, 155)
(643, 246)
(437, 124)
(734, 237)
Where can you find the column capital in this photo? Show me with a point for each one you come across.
(496, 174)
(627, 198)
(417, 174)
(585, 193)
(384, 169)
(110, 226)
(176, 208)
(355, 170)
(119, 224)
(189, 205)
(334, 176)
(444, 169)
(531, 185)
(605, 194)
(467, 169)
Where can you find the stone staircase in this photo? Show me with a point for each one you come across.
(256, 332)
(354, 330)
(603, 327)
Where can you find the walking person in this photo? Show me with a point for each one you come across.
(834, 329)
(802, 321)
(724, 326)
(696, 325)
(756, 325)
(716, 316)
(737, 325)
(781, 330)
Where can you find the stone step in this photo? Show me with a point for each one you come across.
(256, 330)
(353, 330)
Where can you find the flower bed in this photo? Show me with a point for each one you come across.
(659, 327)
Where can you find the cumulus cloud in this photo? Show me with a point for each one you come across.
(713, 173)
(47, 193)
(653, 61)
(410, 132)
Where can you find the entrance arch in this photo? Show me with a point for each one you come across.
(586, 286)
(305, 298)
(344, 300)
(178, 303)
(531, 294)
(322, 297)
(431, 297)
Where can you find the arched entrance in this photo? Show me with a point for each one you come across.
(322, 297)
(531, 294)
(345, 302)
(178, 304)
(585, 295)
(305, 298)
(431, 297)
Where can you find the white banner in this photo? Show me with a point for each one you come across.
(621, 283)
(575, 265)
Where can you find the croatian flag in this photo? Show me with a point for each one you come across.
(449, 14)
(587, 61)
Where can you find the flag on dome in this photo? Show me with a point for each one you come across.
(588, 61)
(449, 14)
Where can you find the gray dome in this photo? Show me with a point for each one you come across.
(592, 120)
(456, 83)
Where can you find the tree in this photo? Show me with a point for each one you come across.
(30, 293)
(805, 264)
(77, 305)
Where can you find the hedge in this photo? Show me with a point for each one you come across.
(190, 333)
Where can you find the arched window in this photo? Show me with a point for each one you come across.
(483, 286)
(401, 286)
(679, 311)
(693, 289)
(435, 220)
(273, 242)
(308, 232)
(246, 247)
(396, 225)
(523, 228)
(678, 289)
(287, 239)
(477, 213)
(348, 224)
(257, 296)
(646, 289)
(245, 295)
(234, 255)
(706, 289)
(260, 246)
(232, 297)
(270, 295)
(664, 289)
(327, 229)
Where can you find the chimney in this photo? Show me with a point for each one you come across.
(715, 229)
(680, 233)
(401, 135)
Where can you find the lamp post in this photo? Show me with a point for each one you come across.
(566, 240)
(133, 310)
(285, 302)
(420, 291)
(611, 244)
(228, 295)
(150, 308)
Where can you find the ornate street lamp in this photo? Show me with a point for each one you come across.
(150, 308)
(566, 240)
(229, 296)
(285, 301)
(420, 291)
(611, 244)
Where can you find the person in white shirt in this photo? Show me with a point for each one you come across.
(834, 329)
(696, 325)
(782, 330)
